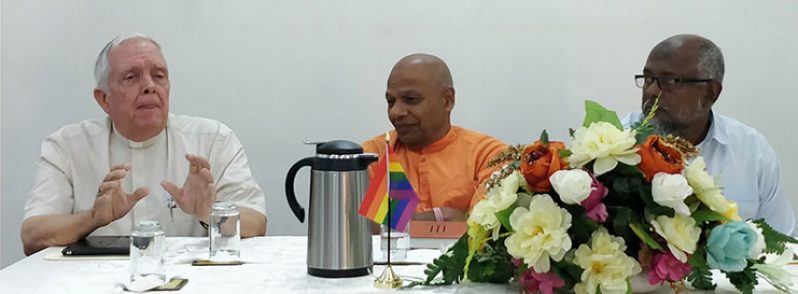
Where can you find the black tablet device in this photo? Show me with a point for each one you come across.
(99, 245)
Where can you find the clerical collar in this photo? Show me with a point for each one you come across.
(133, 144)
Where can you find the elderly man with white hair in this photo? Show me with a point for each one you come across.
(103, 176)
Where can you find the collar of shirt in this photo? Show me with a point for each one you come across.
(436, 146)
(718, 132)
(133, 144)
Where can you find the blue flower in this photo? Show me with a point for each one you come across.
(729, 245)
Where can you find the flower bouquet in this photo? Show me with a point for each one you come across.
(620, 202)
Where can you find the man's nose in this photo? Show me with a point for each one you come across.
(148, 86)
(397, 110)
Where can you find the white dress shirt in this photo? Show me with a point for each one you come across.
(748, 169)
(75, 159)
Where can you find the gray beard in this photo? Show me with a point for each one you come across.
(666, 128)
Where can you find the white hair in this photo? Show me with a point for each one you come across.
(710, 61)
(101, 67)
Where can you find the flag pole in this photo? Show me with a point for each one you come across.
(388, 279)
(388, 189)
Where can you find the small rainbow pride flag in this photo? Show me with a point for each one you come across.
(394, 189)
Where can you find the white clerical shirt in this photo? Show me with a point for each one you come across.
(75, 159)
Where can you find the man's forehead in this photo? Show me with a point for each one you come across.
(419, 74)
(136, 49)
(677, 61)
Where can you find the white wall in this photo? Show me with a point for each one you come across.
(280, 72)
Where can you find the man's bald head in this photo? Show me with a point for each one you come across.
(436, 69)
(420, 99)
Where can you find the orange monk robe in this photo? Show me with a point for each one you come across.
(450, 172)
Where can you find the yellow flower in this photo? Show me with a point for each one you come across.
(605, 264)
(732, 212)
(498, 199)
(707, 190)
(540, 233)
(681, 233)
(606, 144)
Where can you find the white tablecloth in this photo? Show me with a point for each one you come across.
(274, 265)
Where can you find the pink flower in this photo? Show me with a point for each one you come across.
(594, 208)
(543, 282)
(665, 267)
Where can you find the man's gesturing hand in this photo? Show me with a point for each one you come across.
(112, 203)
(198, 193)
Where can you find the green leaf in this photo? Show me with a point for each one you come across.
(451, 264)
(523, 200)
(492, 264)
(628, 170)
(745, 280)
(571, 132)
(641, 230)
(774, 240)
(504, 217)
(594, 112)
(568, 272)
(582, 227)
(565, 153)
(705, 215)
(700, 277)
(643, 132)
(544, 137)
(620, 222)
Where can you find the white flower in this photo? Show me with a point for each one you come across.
(606, 144)
(670, 191)
(540, 233)
(572, 185)
(773, 270)
(759, 246)
(605, 264)
(707, 191)
(681, 233)
(697, 176)
(498, 199)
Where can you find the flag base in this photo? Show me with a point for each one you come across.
(388, 279)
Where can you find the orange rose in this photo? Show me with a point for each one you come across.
(539, 162)
(658, 156)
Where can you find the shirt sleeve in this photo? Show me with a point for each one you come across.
(773, 206)
(52, 191)
(372, 146)
(485, 153)
(234, 181)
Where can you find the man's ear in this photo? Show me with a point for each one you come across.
(448, 98)
(713, 91)
(102, 99)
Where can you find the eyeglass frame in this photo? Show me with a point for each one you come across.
(672, 83)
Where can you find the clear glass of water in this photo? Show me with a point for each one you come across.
(224, 232)
(400, 243)
(147, 248)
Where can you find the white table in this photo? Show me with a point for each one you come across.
(275, 265)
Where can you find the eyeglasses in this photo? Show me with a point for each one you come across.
(665, 83)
